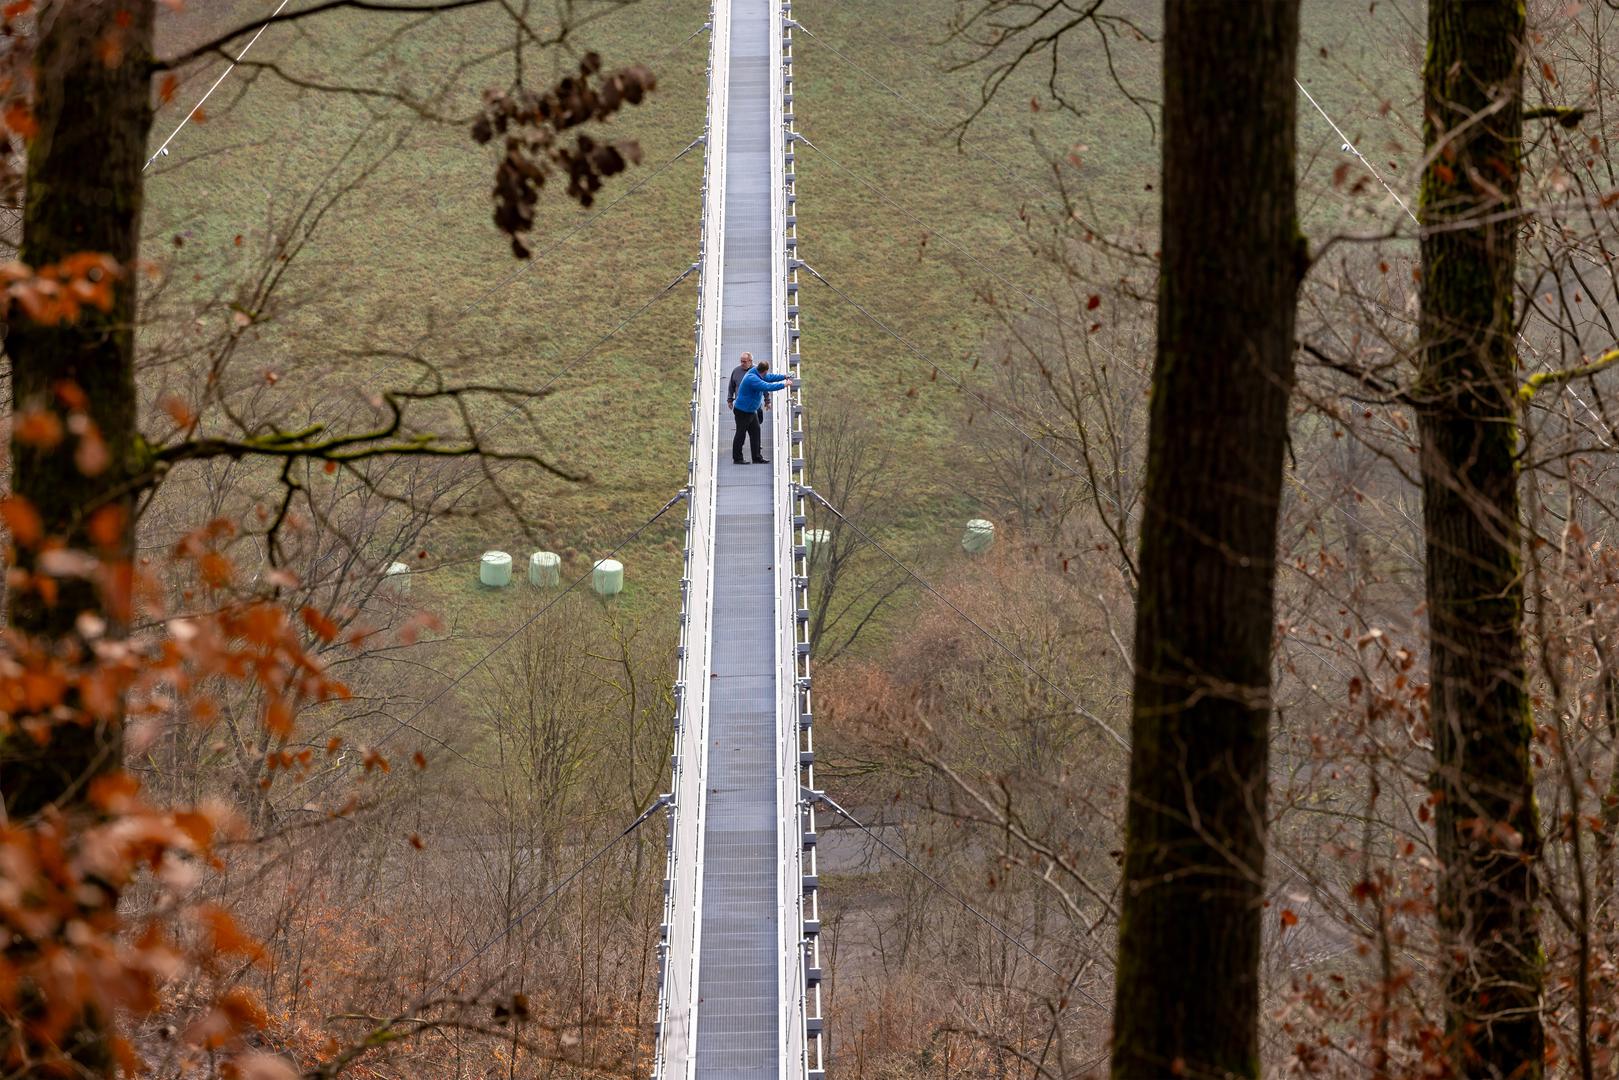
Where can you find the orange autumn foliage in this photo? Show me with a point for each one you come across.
(71, 952)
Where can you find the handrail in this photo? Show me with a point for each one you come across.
(800, 1041)
(678, 995)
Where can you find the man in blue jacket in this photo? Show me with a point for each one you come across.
(748, 407)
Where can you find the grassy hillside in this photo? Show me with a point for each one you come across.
(891, 211)
(933, 239)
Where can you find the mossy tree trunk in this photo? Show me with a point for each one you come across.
(93, 113)
(1187, 994)
(1486, 817)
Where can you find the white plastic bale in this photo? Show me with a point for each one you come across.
(979, 536)
(396, 578)
(815, 539)
(495, 569)
(608, 577)
(545, 568)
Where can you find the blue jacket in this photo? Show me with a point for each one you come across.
(750, 396)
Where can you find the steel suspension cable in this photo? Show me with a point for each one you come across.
(968, 619)
(580, 358)
(524, 625)
(1071, 982)
(1523, 339)
(916, 351)
(1061, 463)
(1286, 864)
(528, 264)
(192, 112)
(532, 619)
(1350, 146)
(636, 314)
(520, 917)
(1282, 860)
(946, 237)
(934, 121)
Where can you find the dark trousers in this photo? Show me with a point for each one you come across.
(747, 427)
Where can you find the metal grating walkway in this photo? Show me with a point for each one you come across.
(740, 961)
(737, 1018)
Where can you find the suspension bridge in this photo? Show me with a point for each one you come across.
(739, 957)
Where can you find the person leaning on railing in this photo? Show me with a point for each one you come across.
(749, 409)
(743, 364)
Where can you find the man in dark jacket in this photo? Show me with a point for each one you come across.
(737, 372)
(749, 407)
(745, 362)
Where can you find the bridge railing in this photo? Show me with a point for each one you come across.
(675, 1057)
(801, 1044)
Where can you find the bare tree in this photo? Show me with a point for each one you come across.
(851, 583)
(1232, 260)
(1466, 401)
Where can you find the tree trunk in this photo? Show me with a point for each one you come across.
(93, 113)
(1488, 833)
(1187, 995)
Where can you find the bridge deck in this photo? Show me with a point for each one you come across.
(739, 1016)
(740, 954)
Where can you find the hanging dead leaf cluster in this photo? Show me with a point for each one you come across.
(537, 149)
